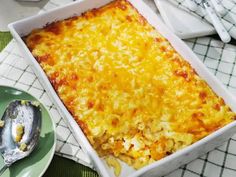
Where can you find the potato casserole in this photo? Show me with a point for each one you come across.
(135, 98)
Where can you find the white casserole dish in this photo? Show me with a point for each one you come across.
(165, 165)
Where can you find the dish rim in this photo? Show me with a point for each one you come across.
(87, 147)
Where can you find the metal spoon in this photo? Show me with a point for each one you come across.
(19, 131)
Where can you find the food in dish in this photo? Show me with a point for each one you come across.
(112, 162)
(23, 147)
(19, 132)
(132, 94)
(2, 123)
(35, 103)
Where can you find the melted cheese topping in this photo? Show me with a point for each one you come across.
(132, 94)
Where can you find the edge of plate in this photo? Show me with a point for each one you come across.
(53, 128)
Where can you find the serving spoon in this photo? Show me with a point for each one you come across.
(19, 131)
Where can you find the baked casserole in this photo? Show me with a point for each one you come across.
(135, 98)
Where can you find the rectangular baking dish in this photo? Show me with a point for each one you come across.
(158, 168)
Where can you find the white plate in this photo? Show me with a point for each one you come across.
(181, 22)
(19, 10)
(165, 165)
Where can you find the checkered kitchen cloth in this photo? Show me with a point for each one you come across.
(228, 19)
(220, 59)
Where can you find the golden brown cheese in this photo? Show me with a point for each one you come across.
(132, 94)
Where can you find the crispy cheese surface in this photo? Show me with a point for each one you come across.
(132, 94)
